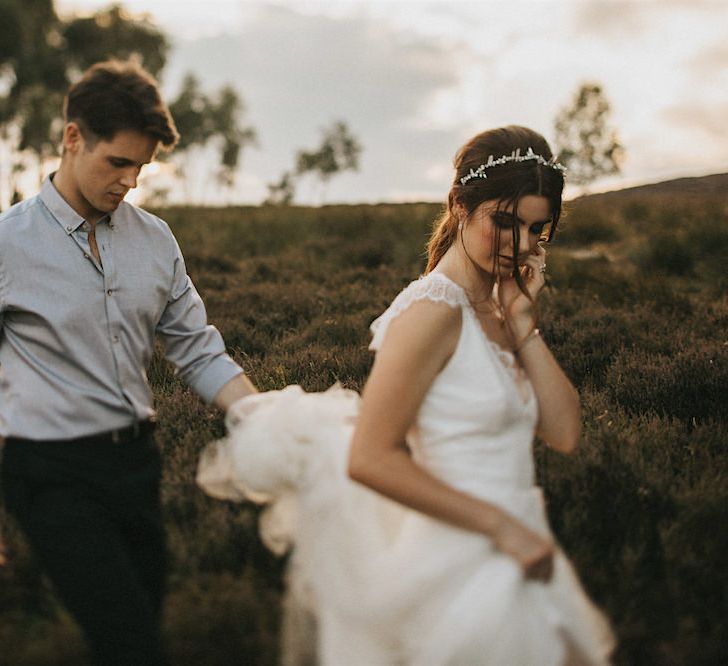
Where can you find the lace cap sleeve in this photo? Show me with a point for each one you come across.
(432, 287)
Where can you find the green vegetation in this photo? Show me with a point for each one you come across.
(635, 310)
(40, 54)
(585, 143)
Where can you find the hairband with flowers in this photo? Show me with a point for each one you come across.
(515, 156)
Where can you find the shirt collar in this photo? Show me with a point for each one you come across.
(61, 210)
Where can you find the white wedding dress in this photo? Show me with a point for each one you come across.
(388, 585)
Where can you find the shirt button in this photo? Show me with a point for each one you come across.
(115, 338)
(85, 256)
(69, 228)
(109, 292)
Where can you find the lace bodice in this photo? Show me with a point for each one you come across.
(432, 287)
(439, 288)
(476, 423)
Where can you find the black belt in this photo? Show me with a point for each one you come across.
(120, 435)
(136, 430)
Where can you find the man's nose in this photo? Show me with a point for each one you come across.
(129, 178)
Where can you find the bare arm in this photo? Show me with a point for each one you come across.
(559, 423)
(417, 346)
(238, 387)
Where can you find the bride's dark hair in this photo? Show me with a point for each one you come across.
(505, 184)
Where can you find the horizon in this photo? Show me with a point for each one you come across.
(299, 65)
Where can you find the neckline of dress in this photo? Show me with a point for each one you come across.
(506, 357)
(500, 350)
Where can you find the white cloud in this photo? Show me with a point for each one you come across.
(415, 79)
(298, 73)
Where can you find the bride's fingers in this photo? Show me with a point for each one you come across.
(538, 255)
(537, 572)
(537, 258)
(534, 272)
(541, 570)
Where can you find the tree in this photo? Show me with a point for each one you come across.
(40, 54)
(189, 113)
(339, 151)
(201, 118)
(10, 35)
(585, 142)
(32, 70)
(282, 192)
(226, 112)
(114, 33)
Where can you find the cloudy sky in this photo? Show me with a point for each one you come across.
(415, 79)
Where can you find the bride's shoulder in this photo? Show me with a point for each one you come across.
(439, 303)
(435, 287)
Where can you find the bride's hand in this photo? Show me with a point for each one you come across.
(518, 309)
(533, 553)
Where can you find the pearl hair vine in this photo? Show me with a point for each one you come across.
(515, 156)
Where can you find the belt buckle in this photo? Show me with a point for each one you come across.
(130, 432)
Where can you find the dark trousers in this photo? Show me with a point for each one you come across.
(90, 509)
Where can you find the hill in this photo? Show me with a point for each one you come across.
(702, 187)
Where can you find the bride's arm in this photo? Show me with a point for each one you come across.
(417, 346)
(559, 408)
(559, 422)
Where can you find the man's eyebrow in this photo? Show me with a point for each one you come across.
(125, 160)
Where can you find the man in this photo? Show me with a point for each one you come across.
(86, 281)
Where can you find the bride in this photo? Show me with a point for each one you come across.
(439, 552)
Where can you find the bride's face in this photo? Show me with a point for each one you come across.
(488, 233)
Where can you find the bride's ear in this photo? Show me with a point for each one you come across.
(459, 212)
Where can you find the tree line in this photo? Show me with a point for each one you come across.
(41, 54)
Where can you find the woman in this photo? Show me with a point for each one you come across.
(462, 567)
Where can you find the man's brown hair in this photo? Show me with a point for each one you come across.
(119, 95)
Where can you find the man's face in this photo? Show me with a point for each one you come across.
(103, 172)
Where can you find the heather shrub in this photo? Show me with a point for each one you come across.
(223, 620)
(640, 506)
(665, 254)
(583, 226)
(698, 569)
(626, 508)
(636, 213)
(594, 275)
(689, 383)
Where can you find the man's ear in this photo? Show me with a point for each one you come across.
(73, 141)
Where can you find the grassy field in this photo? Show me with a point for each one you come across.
(636, 311)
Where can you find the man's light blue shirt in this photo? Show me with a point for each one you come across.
(76, 335)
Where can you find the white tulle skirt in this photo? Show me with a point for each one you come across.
(382, 584)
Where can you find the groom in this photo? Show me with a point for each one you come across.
(86, 281)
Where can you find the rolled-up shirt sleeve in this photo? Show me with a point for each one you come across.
(194, 346)
(77, 337)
